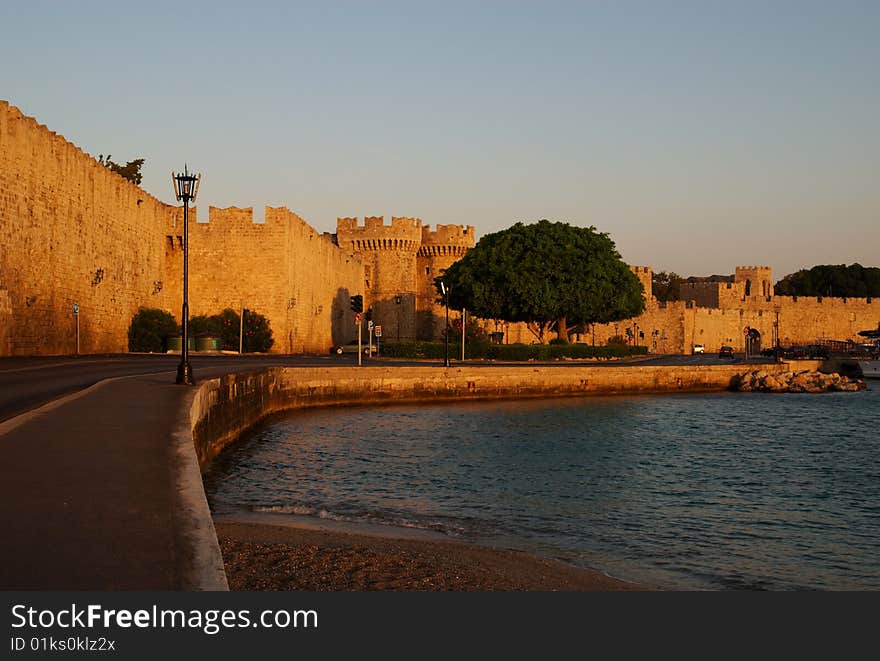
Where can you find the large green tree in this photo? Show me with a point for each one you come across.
(854, 281)
(547, 274)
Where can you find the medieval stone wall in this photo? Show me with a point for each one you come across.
(282, 268)
(72, 232)
(75, 232)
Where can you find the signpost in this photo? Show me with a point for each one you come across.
(378, 330)
(76, 316)
(463, 322)
(359, 325)
(370, 338)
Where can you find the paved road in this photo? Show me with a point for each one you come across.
(26, 383)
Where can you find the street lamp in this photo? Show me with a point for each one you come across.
(186, 187)
(777, 352)
(446, 334)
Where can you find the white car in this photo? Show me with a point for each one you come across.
(699, 348)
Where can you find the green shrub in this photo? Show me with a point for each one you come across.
(228, 328)
(257, 332)
(558, 340)
(204, 326)
(512, 352)
(148, 329)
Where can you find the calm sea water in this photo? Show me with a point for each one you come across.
(721, 491)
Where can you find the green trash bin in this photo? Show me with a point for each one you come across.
(207, 343)
(175, 343)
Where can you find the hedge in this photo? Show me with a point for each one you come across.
(508, 351)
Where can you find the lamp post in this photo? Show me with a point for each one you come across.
(186, 187)
(446, 333)
(776, 309)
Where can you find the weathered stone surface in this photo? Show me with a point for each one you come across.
(802, 381)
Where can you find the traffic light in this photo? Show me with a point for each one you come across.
(357, 303)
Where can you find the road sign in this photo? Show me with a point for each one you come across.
(746, 330)
(370, 324)
(378, 331)
(76, 308)
(357, 317)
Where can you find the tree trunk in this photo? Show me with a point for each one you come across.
(538, 330)
(562, 329)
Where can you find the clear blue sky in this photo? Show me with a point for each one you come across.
(700, 135)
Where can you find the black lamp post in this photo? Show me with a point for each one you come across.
(777, 351)
(446, 334)
(186, 187)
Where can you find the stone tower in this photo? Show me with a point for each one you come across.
(754, 280)
(388, 253)
(645, 274)
(439, 250)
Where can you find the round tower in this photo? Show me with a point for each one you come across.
(439, 250)
(389, 256)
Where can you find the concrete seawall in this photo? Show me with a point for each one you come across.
(223, 408)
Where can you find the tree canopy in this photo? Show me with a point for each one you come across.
(854, 281)
(666, 286)
(547, 274)
(130, 171)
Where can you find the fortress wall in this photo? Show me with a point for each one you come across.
(320, 279)
(234, 262)
(73, 232)
(704, 294)
(283, 269)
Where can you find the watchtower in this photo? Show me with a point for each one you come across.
(439, 249)
(755, 280)
(645, 274)
(389, 256)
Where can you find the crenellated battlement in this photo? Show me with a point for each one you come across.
(63, 150)
(756, 280)
(645, 274)
(403, 234)
(446, 241)
(351, 223)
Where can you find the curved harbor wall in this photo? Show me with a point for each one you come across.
(225, 407)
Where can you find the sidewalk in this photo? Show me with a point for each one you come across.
(97, 493)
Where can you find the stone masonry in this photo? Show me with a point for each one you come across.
(76, 233)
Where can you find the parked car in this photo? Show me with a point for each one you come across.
(699, 348)
(725, 352)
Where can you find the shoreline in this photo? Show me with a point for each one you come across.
(262, 553)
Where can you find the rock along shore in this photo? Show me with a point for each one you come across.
(809, 381)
